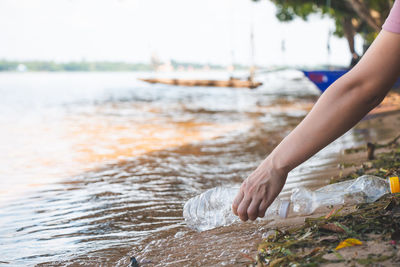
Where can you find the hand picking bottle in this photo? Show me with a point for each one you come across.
(213, 208)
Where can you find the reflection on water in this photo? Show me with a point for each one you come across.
(97, 166)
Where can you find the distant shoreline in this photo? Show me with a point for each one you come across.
(99, 66)
(120, 66)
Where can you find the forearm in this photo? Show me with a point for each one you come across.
(345, 103)
(338, 109)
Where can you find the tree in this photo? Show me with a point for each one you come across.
(364, 17)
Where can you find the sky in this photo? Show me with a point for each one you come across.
(203, 31)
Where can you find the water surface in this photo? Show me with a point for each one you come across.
(96, 167)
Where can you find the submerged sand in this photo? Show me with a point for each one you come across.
(237, 244)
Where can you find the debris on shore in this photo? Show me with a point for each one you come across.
(362, 235)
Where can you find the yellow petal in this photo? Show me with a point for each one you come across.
(349, 242)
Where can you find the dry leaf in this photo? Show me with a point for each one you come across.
(327, 216)
(332, 227)
(349, 242)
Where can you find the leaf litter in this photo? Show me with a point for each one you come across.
(310, 243)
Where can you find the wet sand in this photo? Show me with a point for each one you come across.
(102, 165)
(232, 245)
(97, 165)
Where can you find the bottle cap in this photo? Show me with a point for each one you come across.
(284, 208)
(394, 184)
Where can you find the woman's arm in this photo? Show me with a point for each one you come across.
(342, 105)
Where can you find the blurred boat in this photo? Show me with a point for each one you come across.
(235, 83)
(232, 82)
(324, 78)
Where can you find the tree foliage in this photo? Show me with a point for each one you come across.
(365, 17)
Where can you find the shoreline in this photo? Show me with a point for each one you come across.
(390, 105)
(236, 244)
(325, 231)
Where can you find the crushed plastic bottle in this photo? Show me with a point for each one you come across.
(210, 209)
(213, 207)
(364, 189)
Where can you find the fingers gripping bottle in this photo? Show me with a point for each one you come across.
(213, 208)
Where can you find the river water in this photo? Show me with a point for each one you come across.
(96, 167)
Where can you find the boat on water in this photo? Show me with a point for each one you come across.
(234, 83)
(324, 78)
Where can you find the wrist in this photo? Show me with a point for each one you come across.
(275, 165)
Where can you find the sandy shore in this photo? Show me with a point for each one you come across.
(236, 245)
(376, 249)
(390, 104)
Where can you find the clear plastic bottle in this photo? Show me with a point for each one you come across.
(364, 189)
(210, 209)
(213, 207)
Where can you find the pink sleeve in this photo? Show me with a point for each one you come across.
(392, 23)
